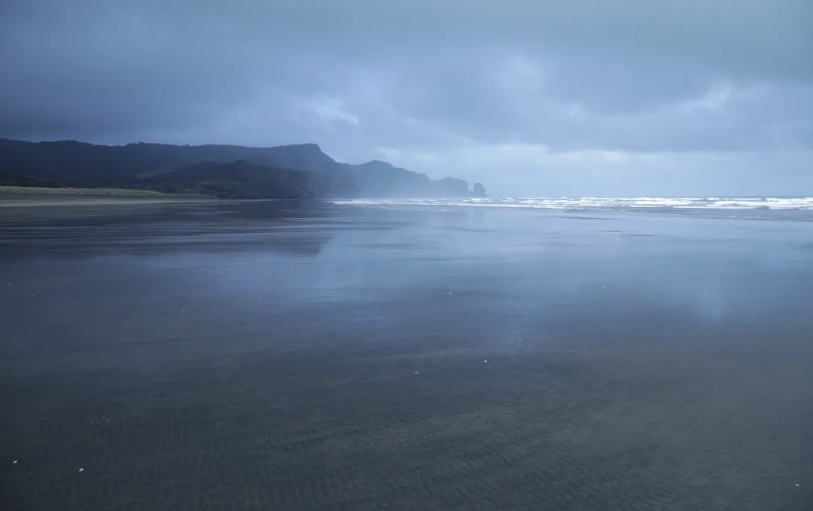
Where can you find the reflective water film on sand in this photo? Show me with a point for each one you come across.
(315, 356)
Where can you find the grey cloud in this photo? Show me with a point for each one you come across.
(363, 77)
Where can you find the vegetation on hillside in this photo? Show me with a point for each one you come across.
(292, 171)
(239, 179)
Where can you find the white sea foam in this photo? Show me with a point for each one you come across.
(605, 203)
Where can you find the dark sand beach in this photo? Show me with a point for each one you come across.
(307, 356)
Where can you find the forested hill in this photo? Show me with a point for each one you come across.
(164, 166)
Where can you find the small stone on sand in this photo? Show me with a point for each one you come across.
(81, 470)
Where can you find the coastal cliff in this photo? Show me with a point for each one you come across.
(290, 171)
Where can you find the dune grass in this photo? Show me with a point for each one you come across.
(30, 191)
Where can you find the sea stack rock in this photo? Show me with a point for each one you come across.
(478, 190)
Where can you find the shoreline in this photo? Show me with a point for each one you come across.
(24, 196)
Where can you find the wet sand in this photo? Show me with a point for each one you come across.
(278, 355)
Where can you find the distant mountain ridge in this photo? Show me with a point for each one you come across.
(300, 170)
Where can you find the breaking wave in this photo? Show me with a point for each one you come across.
(605, 203)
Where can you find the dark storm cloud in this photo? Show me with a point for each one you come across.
(514, 91)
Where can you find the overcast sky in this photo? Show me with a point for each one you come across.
(531, 97)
